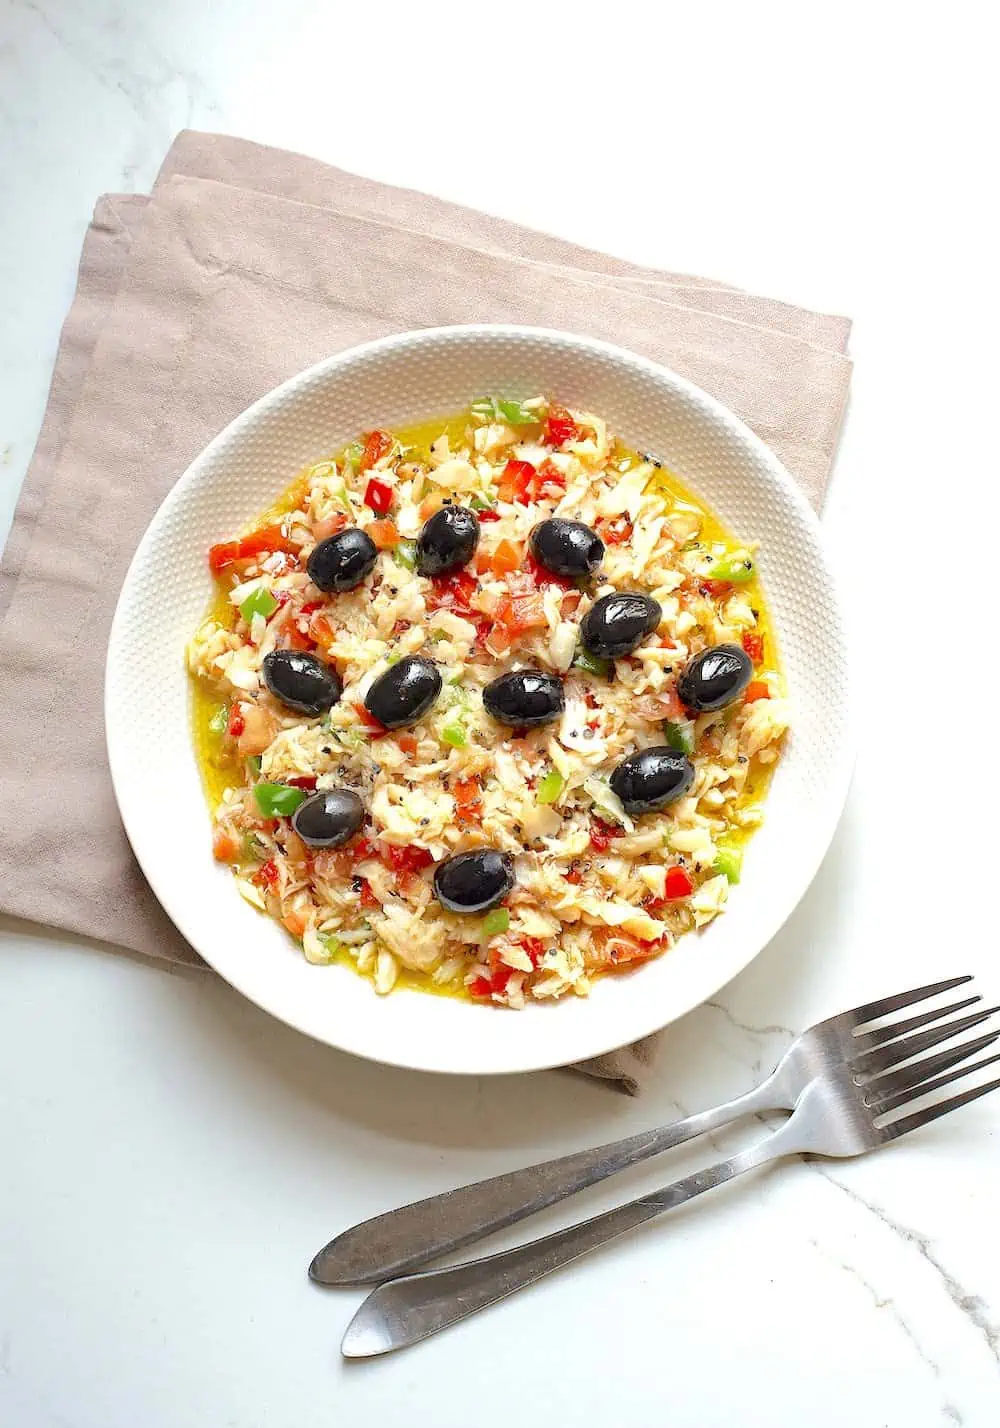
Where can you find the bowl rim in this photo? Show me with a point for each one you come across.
(837, 785)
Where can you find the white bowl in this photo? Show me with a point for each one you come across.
(391, 383)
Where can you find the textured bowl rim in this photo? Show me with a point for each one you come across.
(823, 827)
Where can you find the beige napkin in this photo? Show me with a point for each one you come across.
(246, 265)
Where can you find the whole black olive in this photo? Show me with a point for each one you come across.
(448, 539)
(715, 678)
(566, 547)
(342, 561)
(301, 681)
(405, 692)
(524, 697)
(652, 778)
(472, 882)
(618, 623)
(328, 819)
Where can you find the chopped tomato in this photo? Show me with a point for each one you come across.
(302, 781)
(535, 948)
(468, 808)
(296, 640)
(506, 558)
(378, 496)
(614, 532)
(756, 689)
(520, 613)
(262, 542)
(237, 723)
(500, 973)
(362, 848)
(601, 835)
(716, 589)
(373, 726)
(485, 516)
(267, 874)
(224, 846)
(377, 444)
(368, 898)
(295, 923)
(408, 744)
(574, 876)
(623, 949)
(406, 860)
(753, 644)
(559, 427)
(678, 884)
(453, 591)
(480, 987)
(320, 629)
(383, 533)
(518, 482)
(494, 637)
(322, 530)
(553, 481)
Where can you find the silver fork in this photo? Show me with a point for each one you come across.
(844, 1111)
(401, 1240)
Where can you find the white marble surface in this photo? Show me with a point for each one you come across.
(170, 1158)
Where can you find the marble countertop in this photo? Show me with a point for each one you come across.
(170, 1157)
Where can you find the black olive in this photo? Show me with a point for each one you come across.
(342, 561)
(448, 539)
(524, 697)
(651, 778)
(715, 678)
(301, 681)
(472, 882)
(405, 692)
(328, 819)
(618, 623)
(566, 547)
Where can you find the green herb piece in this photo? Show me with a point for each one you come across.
(680, 736)
(278, 800)
(258, 602)
(496, 922)
(734, 570)
(550, 787)
(478, 504)
(730, 862)
(584, 660)
(455, 735)
(405, 554)
(515, 413)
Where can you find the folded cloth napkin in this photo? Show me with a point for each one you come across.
(246, 265)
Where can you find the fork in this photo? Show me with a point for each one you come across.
(844, 1111)
(401, 1240)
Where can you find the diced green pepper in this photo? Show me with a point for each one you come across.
(734, 570)
(405, 553)
(483, 409)
(478, 504)
(333, 945)
(278, 800)
(516, 414)
(258, 602)
(584, 660)
(219, 722)
(455, 735)
(680, 736)
(550, 787)
(730, 862)
(496, 922)
(353, 453)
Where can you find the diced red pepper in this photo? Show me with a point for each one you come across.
(559, 427)
(237, 723)
(543, 577)
(678, 884)
(453, 591)
(373, 726)
(267, 874)
(362, 848)
(468, 807)
(553, 481)
(262, 542)
(378, 496)
(406, 860)
(601, 835)
(756, 689)
(753, 644)
(500, 972)
(717, 589)
(307, 781)
(489, 515)
(535, 948)
(518, 482)
(480, 987)
(368, 898)
(407, 744)
(377, 444)
(614, 531)
(574, 876)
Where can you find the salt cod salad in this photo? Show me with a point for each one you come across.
(487, 706)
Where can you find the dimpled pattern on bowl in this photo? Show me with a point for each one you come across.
(393, 382)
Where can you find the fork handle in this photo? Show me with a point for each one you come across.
(404, 1311)
(401, 1240)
